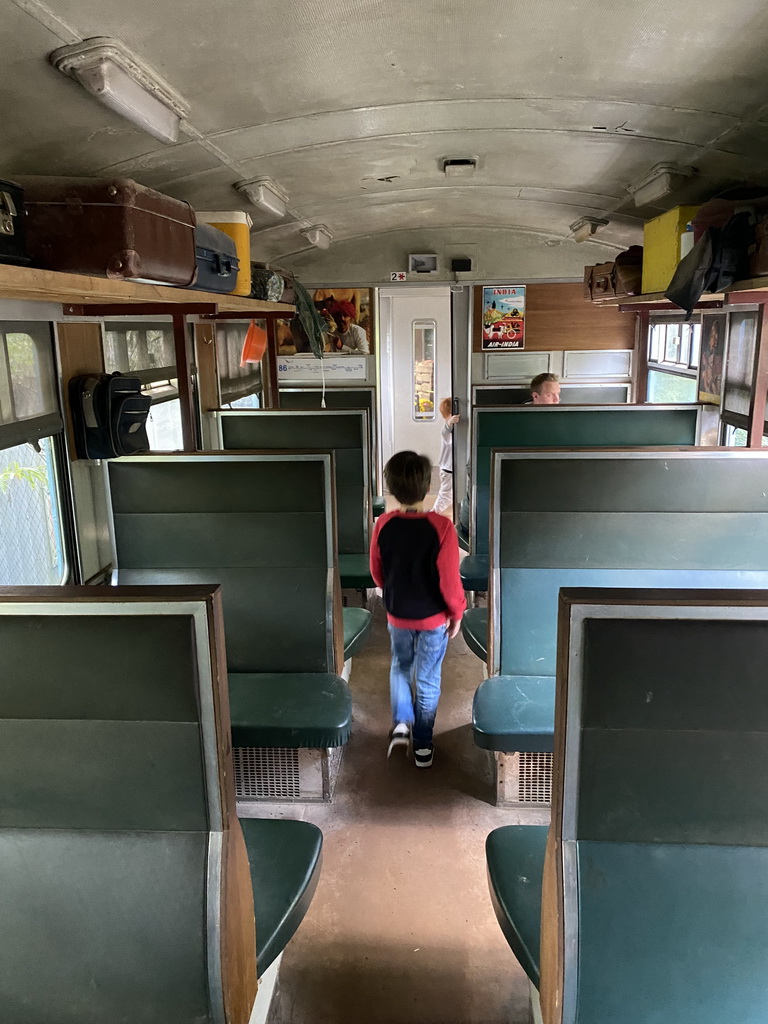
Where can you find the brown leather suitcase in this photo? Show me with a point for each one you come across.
(628, 271)
(758, 256)
(109, 227)
(599, 283)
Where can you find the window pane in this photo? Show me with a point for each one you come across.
(739, 363)
(656, 350)
(735, 437)
(27, 375)
(424, 369)
(673, 343)
(249, 402)
(164, 427)
(31, 544)
(669, 387)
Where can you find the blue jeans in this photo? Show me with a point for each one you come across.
(417, 657)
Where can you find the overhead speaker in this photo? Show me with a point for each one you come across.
(461, 265)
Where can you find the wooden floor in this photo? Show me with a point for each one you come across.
(401, 928)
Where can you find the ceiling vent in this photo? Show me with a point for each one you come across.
(460, 167)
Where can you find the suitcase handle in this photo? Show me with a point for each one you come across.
(7, 213)
(223, 265)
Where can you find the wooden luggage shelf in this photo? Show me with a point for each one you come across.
(75, 289)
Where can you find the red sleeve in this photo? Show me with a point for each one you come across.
(375, 556)
(451, 586)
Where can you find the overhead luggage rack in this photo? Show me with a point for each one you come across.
(78, 293)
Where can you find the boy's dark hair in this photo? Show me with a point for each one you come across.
(408, 476)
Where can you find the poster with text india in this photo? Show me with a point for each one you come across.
(504, 317)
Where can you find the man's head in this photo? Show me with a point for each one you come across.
(408, 476)
(545, 389)
(446, 404)
(343, 313)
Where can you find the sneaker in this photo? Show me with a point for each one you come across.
(423, 757)
(399, 737)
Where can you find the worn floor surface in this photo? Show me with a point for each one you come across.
(401, 928)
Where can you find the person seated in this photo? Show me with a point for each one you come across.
(545, 389)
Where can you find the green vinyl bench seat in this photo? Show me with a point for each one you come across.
(463, 534)
(358, 623)
(302, 709)
(473, 570)
(355, 572)
(285, 859)
(514, 713)
(379, 505)
(514, 858)
(474, 629)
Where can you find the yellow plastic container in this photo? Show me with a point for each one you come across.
(237, 225)
(661, 247)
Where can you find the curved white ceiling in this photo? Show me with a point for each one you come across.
(352, 106)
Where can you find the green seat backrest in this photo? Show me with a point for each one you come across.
(660, 825)
(583, 394)
(616, 426)
(344, 432)
(261, 525)
(115, 809)
(685, 518)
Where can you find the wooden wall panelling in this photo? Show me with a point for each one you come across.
(206, 358)
(558, 319)
(80, 352)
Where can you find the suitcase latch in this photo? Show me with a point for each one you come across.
(7, 213)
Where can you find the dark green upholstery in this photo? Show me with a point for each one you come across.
(285, 859)
(512, 713)
(258, 525)
(515, 860)
(336, 398)
(473, 570)
(619, 426)
(664, 898)
(474, 628)
(654, 519)
(379, 505)
(580, 394)
(289, 710)
(358, 623)
(355, 572)
(344, 432)
(105, 820)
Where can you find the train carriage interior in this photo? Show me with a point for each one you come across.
(248, 254)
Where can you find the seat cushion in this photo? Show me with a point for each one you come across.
(357, 629)
(355, 572)
(303, 709)
(285, 859)
(515, 860)
(379, 505)
(474, 629)
(511, 713)
(474, 572)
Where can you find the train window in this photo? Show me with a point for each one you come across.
(674, 348)
(147, 351)
(736, 437)
(239, 383)
(32, 549)
(423, 333)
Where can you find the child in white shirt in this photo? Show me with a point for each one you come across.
(444, 498)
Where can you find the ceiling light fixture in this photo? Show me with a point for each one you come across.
(585, 227)
(266, 195)
(124, 83)
(318, 235)
(660, 181)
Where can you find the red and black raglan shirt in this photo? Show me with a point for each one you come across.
(415, 560)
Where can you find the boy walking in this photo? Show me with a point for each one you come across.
(415, 560)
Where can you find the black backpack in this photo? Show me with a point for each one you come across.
(109, 414)
(717, 260)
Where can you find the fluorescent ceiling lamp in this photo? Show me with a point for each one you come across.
(585, 227)
(318, 235)
(125, 84)
(660, 181)
(265, 195)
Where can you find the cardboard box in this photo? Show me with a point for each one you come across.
(661, 247)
